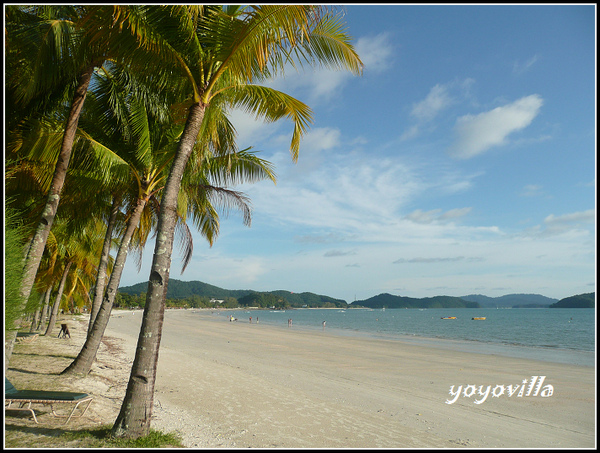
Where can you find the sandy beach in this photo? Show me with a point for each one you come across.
(227, 384)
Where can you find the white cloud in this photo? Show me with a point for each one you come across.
(437, 99)
(436, 215)
(320, 139)
(375, 52)
(532, 190)
(520, 68)
(559, 224)
(575, 223)
(455, 213)
(318, 85)
(478, 133)
(249, 130)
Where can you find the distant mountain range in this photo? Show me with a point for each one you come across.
(178, 289)
(390, 301)
(511, 301)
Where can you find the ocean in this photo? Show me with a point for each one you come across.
(555, 335)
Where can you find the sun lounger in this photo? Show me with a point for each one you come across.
(23, 399)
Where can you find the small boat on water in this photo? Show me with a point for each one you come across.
(450, 317)
(478, 319)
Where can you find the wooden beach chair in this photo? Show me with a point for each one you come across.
(23, 399)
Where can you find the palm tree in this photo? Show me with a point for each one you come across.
(60, 47)
(103, 263)
(124, 139)
(73, 245)
(118, 126)
(14, 241)
(218, 52)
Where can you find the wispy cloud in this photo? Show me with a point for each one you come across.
(376, 52)
(337, 253)
(572, 223)
(319, 85)
(522, 67)
(532, 190)
(429, 260)
(439, 98)
(478, 133)
(436, 215)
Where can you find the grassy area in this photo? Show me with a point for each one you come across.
(101, 438)
(84, 438)
(37, 365)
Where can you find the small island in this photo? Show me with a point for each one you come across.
(587, 300)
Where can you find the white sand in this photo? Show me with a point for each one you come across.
(254, 385)
(223, 384)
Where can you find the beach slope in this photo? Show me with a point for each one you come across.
(224, 384)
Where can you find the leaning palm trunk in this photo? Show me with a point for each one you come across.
(36, 315)
(44, 314)
(84, 360)
(103, 266)
(56, 307)
(38, 243)
(136, 410)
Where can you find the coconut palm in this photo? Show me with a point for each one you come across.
(14, 241)
(52, 52)
(123, 134)
(218, 52)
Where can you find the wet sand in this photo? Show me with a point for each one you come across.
(236, 384)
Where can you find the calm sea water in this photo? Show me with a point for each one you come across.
(556, 335)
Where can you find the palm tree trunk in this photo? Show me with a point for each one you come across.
(44, 315)
(133, 420)
(56, 307)
(84, 360)
(102, 267)
(38, 243)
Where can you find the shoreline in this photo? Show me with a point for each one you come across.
(547, 354)
(223, 384)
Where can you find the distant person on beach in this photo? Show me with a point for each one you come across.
(289, 322)
(323, 325)
(64, 331)
(250, 319)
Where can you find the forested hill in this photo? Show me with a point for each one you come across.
(178, 289)
(587, 300)
(184, 290)
(386, 300)
(511, 301)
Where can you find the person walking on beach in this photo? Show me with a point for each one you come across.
(289, 322)
(250, 319)
(323, 325)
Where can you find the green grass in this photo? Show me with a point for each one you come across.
(101, 438)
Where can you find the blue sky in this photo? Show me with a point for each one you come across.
(462, 161)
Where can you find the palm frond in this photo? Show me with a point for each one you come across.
(272, 105)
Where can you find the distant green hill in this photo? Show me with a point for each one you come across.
(178, 289)
(511, 301)
(182, 290)
(386, 300)
(587, 300)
